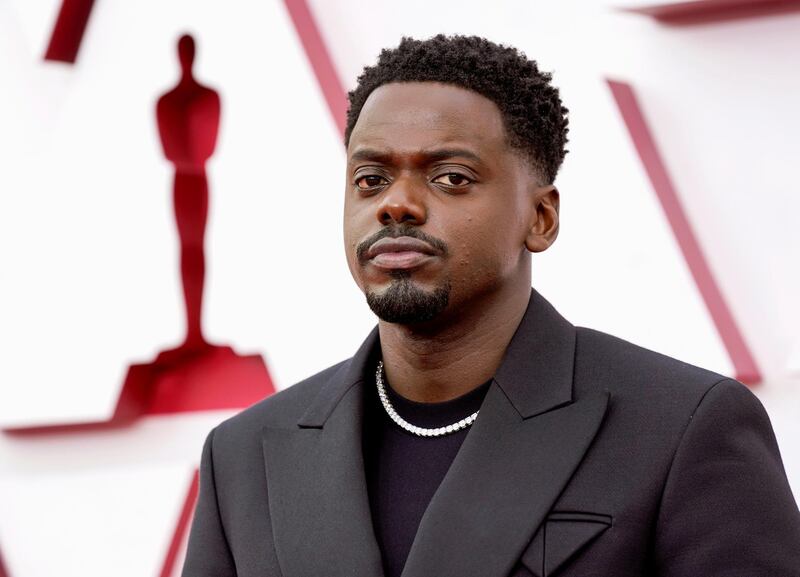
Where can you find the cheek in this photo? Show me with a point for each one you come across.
(484, 253)
(350, 238)
(352, 223)
(357, 226)
(474, 252)
(350, 244)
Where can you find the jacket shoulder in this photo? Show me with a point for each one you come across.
(625, 369)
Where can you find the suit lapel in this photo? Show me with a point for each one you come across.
(317, 490)
(500, 487)
(525, 445)
(528, 440)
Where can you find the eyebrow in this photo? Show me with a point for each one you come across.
(385, 157)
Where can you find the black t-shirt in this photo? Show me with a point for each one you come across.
(404, 470)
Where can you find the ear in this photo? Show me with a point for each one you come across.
(543, 229)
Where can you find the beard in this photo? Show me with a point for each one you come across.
(405, 303)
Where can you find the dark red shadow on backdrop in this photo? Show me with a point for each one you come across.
(65, 40)
(181, 527)
(713, 11)
(321, 63)
(3, 572)
(744, 362)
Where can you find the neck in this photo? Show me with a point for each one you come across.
(439, 363)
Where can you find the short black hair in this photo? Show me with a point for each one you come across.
(534, 117)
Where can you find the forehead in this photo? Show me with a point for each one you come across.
(412, 116)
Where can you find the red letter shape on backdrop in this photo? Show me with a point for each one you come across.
(68, 31)
(714, 11)
(744, 362)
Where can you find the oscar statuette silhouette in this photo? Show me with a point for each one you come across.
(196, 375)
(188, 123)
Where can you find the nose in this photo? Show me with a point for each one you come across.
(402, 202)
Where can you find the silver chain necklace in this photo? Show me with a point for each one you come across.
(405, 425)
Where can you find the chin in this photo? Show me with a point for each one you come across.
(405, 302)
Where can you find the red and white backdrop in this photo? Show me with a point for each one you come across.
(680, 223)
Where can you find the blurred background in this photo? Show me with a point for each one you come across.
(680, 203)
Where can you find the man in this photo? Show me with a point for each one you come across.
(476, 432)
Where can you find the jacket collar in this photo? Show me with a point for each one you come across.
(350, 374)
(535, 374)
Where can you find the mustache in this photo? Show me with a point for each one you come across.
(396, 232)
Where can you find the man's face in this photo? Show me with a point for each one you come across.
(438, 207)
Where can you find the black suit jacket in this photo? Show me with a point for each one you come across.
(590, 457)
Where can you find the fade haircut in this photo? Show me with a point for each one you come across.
(535, 119)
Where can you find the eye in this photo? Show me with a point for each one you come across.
(370, 181)
(453, 179)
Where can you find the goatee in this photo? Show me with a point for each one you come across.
(405, 303)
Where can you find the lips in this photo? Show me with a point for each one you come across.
(399, 253)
